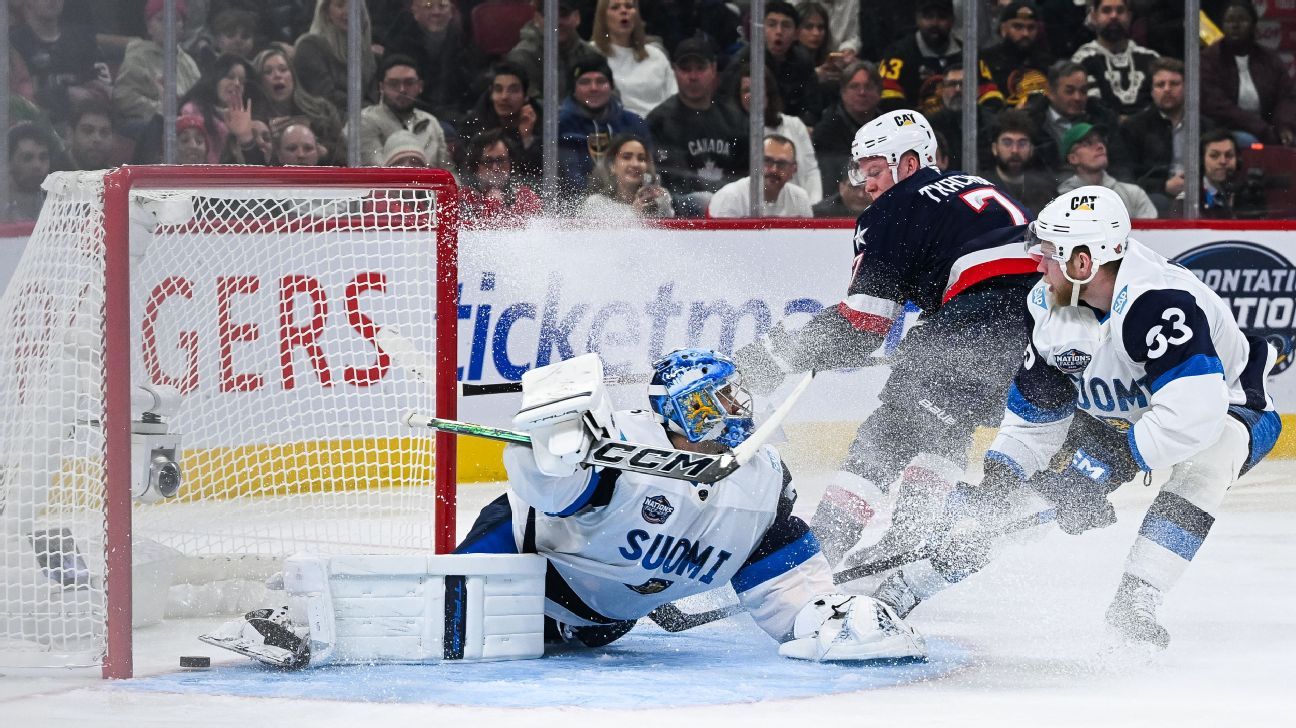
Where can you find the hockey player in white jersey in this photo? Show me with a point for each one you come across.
(618, 544)
(1146, 369)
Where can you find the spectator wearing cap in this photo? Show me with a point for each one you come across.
(1245, 86)
(1063, 104)
(1014, 168)
(701, 142)
(490, 194)
(848, 201)
(60, 55)
(1154, 137)
(642, 70)
(782, 197)
(587, 121)
(137, 92)
(572, 51)
(30, 148)
(1119, 69)
(320, 60)
(400, 84)
(506, 105)
(857, 104)
(793, 69)
(1086, 152)
(929, 51)
(403, 149)
(1018, 52)
(431, 32)
(191, 140)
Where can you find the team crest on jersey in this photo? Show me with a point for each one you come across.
(1072, 361)
(1084, 202)
(652, 586)
(1122, 298)
(656, 509)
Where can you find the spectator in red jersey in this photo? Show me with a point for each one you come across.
(489, 195)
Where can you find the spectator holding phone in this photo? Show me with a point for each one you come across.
(625, 184)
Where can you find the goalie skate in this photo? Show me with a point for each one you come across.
(265, 635)
(844, 627)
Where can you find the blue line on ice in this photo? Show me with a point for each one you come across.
(648, 668)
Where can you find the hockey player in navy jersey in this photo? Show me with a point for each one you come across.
(1133, 365)
(951, 244)
(620, 544)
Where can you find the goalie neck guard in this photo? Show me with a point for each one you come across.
(698, 393)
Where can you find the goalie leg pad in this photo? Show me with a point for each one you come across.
(404, 609)
(850, 627)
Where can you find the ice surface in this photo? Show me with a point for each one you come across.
(1021, 644)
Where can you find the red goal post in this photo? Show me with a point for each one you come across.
(284, 446)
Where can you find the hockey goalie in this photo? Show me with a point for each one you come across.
(576, 554)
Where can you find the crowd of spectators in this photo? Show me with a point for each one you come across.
(654, 97)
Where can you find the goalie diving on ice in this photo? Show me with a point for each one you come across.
(616, 543)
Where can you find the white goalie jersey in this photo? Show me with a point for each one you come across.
(626, 543)
(1164, 366)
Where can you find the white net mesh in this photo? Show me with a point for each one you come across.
(259, 308)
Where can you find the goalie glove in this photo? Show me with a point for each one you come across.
(565, 408)
(851, 627)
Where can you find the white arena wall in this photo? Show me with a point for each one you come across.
(557, 289)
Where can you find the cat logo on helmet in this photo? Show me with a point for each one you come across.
(1084, 202)
(904, 120)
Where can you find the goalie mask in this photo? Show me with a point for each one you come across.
(1092, 217)
(698, 393)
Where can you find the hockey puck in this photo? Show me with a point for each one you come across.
(195, 661)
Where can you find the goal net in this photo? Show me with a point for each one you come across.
(192, 391)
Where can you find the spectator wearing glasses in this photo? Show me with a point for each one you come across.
(860, 93)
(782, 198)
(1015, 169)
(490, 194)
(398, 78)
(624, 185)
(776, 122)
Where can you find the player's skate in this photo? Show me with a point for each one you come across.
(267, 636)
(846, 627)
(1132, 614)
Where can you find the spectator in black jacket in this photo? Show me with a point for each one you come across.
(1265, 106)
(1225, 193)
(860, 92)
(701, 142)
(432, 35)
(791, 65)
(1154, 137)
(1063, 105)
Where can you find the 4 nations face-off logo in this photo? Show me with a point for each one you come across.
(1257, 283)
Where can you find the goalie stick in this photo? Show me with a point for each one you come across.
(673, 619)
(606, 452)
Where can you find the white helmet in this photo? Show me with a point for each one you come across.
(1092, 216)
(891, 135)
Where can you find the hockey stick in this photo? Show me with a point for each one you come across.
(468, 389)
(673, 619)
(628, 456)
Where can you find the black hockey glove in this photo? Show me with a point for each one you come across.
(1081, 503)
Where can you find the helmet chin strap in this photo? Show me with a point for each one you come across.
(1075, 284)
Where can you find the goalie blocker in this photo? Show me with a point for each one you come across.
(361, 609)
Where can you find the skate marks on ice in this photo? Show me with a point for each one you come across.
(648, 668)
